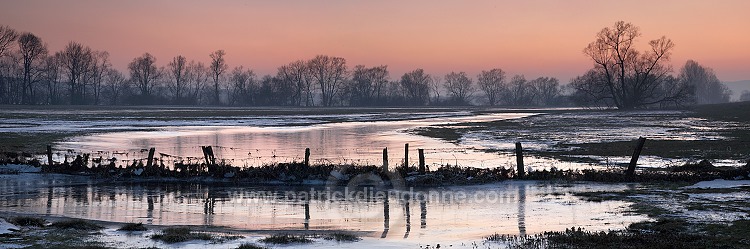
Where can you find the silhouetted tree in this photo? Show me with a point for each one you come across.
(7, 37)
(177, 71)
(459, 86)
(518, 92)
(329, 73)
(628, 78)
(99, 69)
(144, 74)
(416, 87)
(76, 60)
(365, 87)
(218, 67)
(243, 86)
(53, 72)
(197, 77)
(492, 84)
(33, 52)
(298, 75)
(708, 88)
(544, 90)
(116, 85)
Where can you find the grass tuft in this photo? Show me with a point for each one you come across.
(26, 221)
(285, 239)
(76, 224)
(179, 234)
(341, 237)
(250, 246)
(132, 227)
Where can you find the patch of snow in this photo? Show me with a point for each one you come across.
(6, 228)
(720, 183)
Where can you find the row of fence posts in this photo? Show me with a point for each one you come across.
(208, 154)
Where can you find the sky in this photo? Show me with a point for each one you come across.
(532, 37)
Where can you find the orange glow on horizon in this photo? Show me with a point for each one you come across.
(535, 38)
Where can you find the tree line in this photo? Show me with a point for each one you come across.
(80, 75)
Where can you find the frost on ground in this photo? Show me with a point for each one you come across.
(6, 228)
(720, 183)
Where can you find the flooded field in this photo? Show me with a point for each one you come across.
(476, 138)
(451, 215)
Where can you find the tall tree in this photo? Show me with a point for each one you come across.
(708, 88)
(32, 52)
(76, 60)
(416, 87)
(298, 75)
(116, 84)
(144, 74)
(630, 79)
(99, 70)
(177, 70)
(492, 84)
(218, 67)
(243, 85)
(329, 73)
(365, 84)
(545, 90)
(460, 87)
(518, 92)
(7, 37)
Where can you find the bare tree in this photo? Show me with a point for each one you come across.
(33, 51)
(99, 70)
(144, 74)
(436, 83)
(459, 86)
(416, 87)
(177, 71)
(243, 85)
(492, 84)
(53, 71)
(7, 37)
(298, 74)
(630, 79)
(545, 90)
(197, 79)
(518, 92)
(116, 84)
(218, 67)
(366, 84)
(329, 73)
(708, 88)
(76, 60)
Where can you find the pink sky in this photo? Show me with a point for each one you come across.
(534, 38)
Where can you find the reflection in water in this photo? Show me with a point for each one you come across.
(522, 210)
(358, 143)
(270, 208)
(386, 218)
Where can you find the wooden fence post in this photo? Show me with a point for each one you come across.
(519, 159)
(636, 154)
(150, 161)
(406, 156)
(307, 158)
(421, 161)
(49, 155)
(385, 160)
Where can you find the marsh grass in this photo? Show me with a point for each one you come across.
(286, 239)
(179, 234)
(26, 221)
(341, 237)
(250, 246)
(76, 224)
(133, 227)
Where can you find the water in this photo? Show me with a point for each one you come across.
(449, 215)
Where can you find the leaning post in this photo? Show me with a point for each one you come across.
(636, 154)
(307, 158)
(150, 161)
